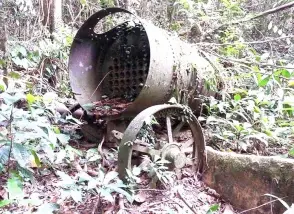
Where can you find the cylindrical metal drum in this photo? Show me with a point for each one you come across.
(136, 61)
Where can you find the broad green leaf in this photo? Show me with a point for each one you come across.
(76, 195)
(4, 153)
(286, 73)
(213, 209)
(129, 197)
(136, 171)
(110, 176)
(291, 152)
(93, 155)
(291, 83)
(83, 2)
(2, 87)
(14, 75)
(48, 208)
(11, 99)
(263, 82)
(70, 118)
(237, 97)
(66, 179)
(23, 51)
(89, 106)
(106, 194)
(14, 188)
(83, 176)
(60, 156)
(21, 154)
(3, 203)
(36, 158)
(56, 130)
(63, 138)
(25, 172)
(31, 99)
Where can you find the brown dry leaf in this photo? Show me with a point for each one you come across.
(140, 198)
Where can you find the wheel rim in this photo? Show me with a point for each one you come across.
(130, 135)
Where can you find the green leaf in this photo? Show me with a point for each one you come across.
(56, 130)
(76, 195)
(237, 97)
(14, 75)
(106, 195)
(4, 153)
(14, 188)
(110, 176)
(3, 203)
(263, 82)
(36, 158)
(286, 73)
(89, 106)
(9, 100)
(136, 171)
(2, 87)
(129, 197)
(48, 208)
(83, 2)
(63, 138)
(66, 179)
(31, 99)
(213, 209)
(22, 50)
(291, 152)
(21, 154)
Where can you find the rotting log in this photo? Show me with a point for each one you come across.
(244, 179)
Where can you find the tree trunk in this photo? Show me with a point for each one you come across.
(3, 53)
(244, 179)
(52, 13)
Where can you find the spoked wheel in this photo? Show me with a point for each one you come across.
(157, 131)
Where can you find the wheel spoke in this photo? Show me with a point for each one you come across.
(169, 129)
(187, 144)
(146, 150)
(178, 128)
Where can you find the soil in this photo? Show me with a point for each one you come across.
(110, 107)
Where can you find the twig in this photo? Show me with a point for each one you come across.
(248, 63)
(99, 84)
(188, 205)
(253, 42)
(254, 208)
(96, 205)
(11, 141)
(267, 12)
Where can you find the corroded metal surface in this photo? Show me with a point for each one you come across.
(135, 60)
(131, 133)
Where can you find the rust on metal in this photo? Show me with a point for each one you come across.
(135, 61)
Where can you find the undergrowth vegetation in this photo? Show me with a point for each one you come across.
(255, 52)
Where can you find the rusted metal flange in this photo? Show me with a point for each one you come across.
(131, 133)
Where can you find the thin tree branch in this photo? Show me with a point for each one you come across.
(254, 208)
(248, 63)
(253, 42)
(267, 12)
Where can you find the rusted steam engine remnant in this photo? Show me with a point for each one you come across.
(134, 60)
(141, 63)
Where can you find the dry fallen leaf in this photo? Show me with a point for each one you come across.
(140, 198)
